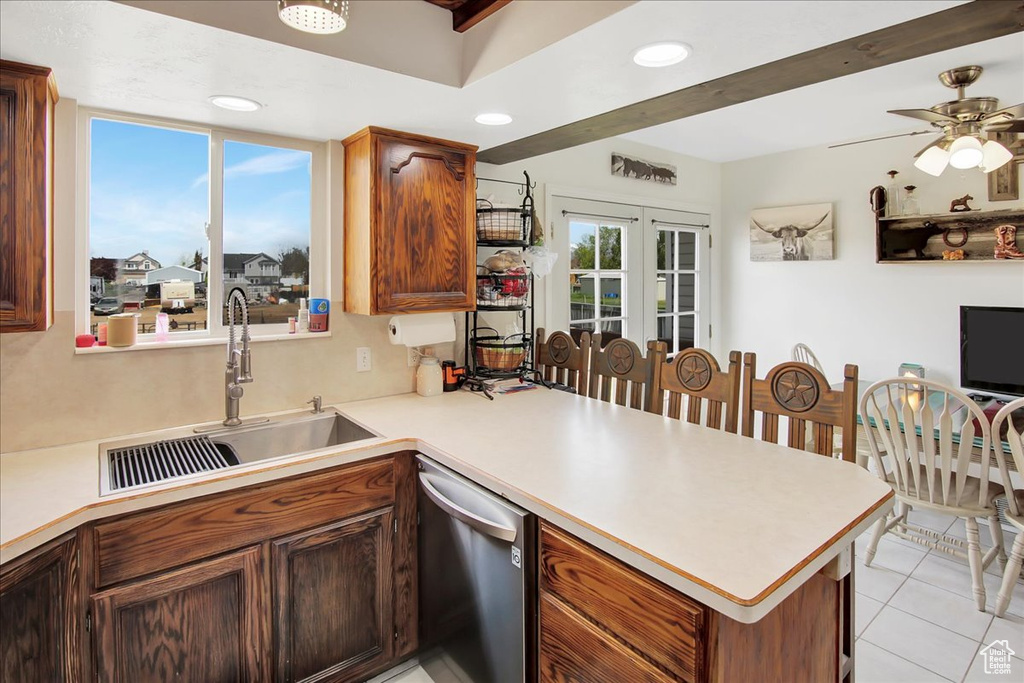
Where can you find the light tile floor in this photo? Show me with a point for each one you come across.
(916, 617)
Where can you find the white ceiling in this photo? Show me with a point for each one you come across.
(114, 56)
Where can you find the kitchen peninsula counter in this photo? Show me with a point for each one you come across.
(734, 523)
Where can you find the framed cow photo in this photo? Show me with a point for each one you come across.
(792, 233)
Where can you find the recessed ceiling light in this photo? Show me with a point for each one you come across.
(235, 103)
(493, 119)
(662, 54)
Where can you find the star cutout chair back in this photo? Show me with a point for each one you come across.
(620, 373)
(696, 388)
(801, 394)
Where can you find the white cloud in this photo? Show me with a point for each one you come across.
(265, 164)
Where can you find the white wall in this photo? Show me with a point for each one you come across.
(588, 168)
(853, 310)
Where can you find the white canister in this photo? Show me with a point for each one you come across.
(429, 381)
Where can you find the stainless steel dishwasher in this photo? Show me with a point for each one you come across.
(476, 576)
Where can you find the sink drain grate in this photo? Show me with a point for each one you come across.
(163, 460)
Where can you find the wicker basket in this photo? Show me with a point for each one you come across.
(502, 224)
(501, 354)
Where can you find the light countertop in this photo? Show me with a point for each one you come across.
(732, 522)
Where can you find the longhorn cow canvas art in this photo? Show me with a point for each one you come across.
(632, 167)
(792, 233)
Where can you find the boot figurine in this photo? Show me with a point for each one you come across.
(1006, 243)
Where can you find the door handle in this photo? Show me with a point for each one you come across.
(484, 526)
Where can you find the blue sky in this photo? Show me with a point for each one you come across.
(149, 190)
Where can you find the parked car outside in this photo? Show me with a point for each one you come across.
(108, 306)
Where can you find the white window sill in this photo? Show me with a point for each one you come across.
(172, 343)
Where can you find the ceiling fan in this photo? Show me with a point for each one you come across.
(964, 123)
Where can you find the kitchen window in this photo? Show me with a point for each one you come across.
(177, 216)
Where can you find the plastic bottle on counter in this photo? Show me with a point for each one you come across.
(429, 380)
(303, 316)
(163, 327)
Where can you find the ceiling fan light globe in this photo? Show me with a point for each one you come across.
(994, 156)
(933, 161)
(321, 17)
(965, 152)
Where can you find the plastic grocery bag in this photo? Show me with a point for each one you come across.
(540, 259)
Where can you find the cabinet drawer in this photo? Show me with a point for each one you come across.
(146, 542)
(665, 626)
(573, 649)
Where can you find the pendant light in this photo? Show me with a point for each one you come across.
(314, 16)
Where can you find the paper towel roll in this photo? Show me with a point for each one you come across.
(421, 329)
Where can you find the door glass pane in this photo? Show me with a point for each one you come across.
(611, 297)
(664, 250)
(611, 248)
(665, 324)
(666, 292)
(687, 250)
(686, 336)
(582, 245)
(148, 209)
(582, 301)
(610, 329)
(686, 290)
(267, 202)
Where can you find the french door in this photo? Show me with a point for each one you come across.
(630, 271)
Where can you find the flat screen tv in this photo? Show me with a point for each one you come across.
(992, 349)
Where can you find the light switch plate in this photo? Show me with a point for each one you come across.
(363, 363)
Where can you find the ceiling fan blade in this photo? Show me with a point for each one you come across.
(925, 115)
(930, 145)
(884, 137)
(1014, 112)
(1016, 126)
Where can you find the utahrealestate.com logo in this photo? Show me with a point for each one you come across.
(997, 657)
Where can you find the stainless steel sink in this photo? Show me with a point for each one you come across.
(130, 464)
(291, 436)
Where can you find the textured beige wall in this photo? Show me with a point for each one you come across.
(50, 396)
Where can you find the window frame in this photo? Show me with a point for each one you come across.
(600, 273)
(216, 332)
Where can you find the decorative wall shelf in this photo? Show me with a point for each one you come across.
(914, 239)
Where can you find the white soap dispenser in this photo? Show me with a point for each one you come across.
(303, 316)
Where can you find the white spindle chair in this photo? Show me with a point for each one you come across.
(912, 449)
(802, 354)
(1014, 497)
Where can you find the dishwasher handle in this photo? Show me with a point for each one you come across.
(496, 530)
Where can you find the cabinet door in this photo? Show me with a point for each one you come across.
(198, 623)
(38, 605)
(333, 599)
(425, 231)
(26, 104)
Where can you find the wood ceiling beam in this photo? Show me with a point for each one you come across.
(965, 24)
(472, 12)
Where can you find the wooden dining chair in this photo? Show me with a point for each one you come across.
(801, 394)
(620, 373)
(560, 359)
(1014, 425)
(694, 377)
(910, 430)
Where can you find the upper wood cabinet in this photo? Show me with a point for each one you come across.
(27, 96)
(410, 216)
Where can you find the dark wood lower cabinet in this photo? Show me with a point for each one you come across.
(199, 623)
(39, 615)
(333, 589)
